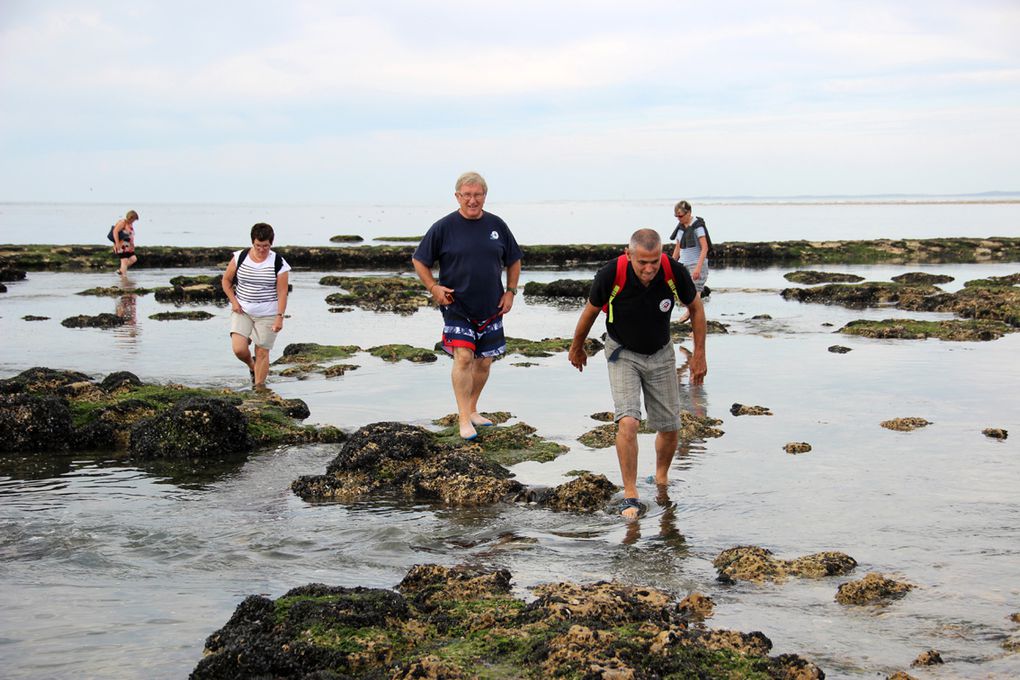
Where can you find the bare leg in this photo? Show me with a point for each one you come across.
(125, 263)
(463, 380)
(626, 452)
(479, 376)
(239, 344)
(665, 447)
(261, 365)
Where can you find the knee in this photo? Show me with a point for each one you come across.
(627, 426)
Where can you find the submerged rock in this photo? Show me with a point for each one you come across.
(31, 423)
(679, 330)
(753, 563)
(98, 321)
(995, 432)
(839, 349)
(929, 658)
(904, 424)
(198, 427)
(873, 588)
(797, 447)
(923, 278)
(547, 346)
(562, 288)
(346, 238)
(397, 352)
(694, 427)
(395, 294)
(742, 410)
(463, 622)
(956, 330)
(33, 317)
(587, 493)
(858, 295)
(812, 277)
(181, 316)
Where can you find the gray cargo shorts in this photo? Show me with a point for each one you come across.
(632, 373)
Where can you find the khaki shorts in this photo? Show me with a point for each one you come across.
(632, 374)
(258, 328)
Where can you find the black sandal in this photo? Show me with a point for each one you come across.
(628, 503)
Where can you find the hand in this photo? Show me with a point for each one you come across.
(442, 294)
(236, 307)
(578, 357)
(696, 274)
(506, 302)
(699, 368)
(278, 324)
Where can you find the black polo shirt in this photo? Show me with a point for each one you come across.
(641, 314)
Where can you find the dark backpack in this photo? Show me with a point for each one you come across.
(277, 266)
(694, 225)
(110, 235)
(622, 264)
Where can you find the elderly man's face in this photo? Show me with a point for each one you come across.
(646, 263)
(471, 198)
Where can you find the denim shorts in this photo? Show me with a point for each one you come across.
(633, 373)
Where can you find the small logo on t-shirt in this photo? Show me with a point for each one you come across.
(665, 305)
(494, 235)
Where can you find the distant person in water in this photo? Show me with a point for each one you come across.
(639, 294)
(692, 245)
(124, 241)
(472, 247)
(256, 282)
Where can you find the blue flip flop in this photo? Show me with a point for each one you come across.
(628, 503)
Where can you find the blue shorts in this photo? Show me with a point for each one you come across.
(484, 338)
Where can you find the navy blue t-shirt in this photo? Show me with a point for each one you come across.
(472, 255)
(640, 314)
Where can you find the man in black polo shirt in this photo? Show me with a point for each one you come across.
(640, 352)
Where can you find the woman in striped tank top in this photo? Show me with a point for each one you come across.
(256, 282)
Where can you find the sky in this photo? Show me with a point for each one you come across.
(388, 102)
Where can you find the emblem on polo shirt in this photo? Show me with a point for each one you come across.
(665, 305)
(494, 235)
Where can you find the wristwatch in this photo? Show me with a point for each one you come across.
(511, 290)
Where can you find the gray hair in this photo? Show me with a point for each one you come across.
(471, 178)
(682, 205)
(646, 239)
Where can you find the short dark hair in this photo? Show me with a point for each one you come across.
(262, 232)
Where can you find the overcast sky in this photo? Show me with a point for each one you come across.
(389, 101)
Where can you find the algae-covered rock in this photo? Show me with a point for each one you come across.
(604, 436)
(346, 238)
(679, 330)
(547, 346)
(957, 330)
(114, 291)
(197, 315)
(858, 295)
(753, 563)
(744, 410)
(396, 294)
(118, 380)
(33, 423)
(10, 274)
(873, 588)
(398, 352)
(33, 317)
(697, 607)
(797, 447)
(562, 288)
(812, 277)
(313, 352)
(904, 424)
(463, 622)
(198, 427)
(507, 445)
(928, 658)
(451, 419)
(694, 427)
(41, 380)
(995, 432)
(924, 278)
(839, 349)
(586, 493)
(103, 320)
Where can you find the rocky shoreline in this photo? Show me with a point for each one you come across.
(329, 258)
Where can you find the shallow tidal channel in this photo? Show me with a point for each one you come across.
(111, 570)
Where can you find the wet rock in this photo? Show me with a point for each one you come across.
(397, 352)
(872, 589)
(839, 349)
(603, 416)
(119, 379)
(678, 331)
(797, 447)
(742, 410)
(181, 316)
(697, 607)
(31, 423)
(587, 493)
(295, 408)
(604, 436)
(901, 675)
(1012, 644)
(312, 352)
(904, 424)
(812, 277)
(693, 428)
(859, 295)
(430, 585)
(923, 278)
(198, 427)
(393, 457)
(753, 563)
(929, 658)
(188, 289)
(562, 288)
(761, 317)
(99, 321)
(955, 330)
(524, 364)
(508, 445)
(40, 379)
(346, 238)
(1015, 617)
(32, 317)
(337, 370)
(394, 294)
(114, 291)
(9, 274)
(3, 288)
(497, 417)
(995, 432)
(548, 346)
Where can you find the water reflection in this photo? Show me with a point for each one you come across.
(127, 309)
(694, 400)
(665, 512)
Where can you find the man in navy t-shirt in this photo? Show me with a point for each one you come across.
(640, 353)
(472, 248)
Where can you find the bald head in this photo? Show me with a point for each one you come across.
(646, 239)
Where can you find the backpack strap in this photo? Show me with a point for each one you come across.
(667, 270)
(278, 264)
(622, 262)
(240, 258)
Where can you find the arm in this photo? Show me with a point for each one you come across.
(442, 294)
(282, 284)
(703, 243)
(676, 250)
(698, 364)
(227, 283)
(576, 354)
(513, 274)
(116, 236)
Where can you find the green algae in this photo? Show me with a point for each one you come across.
(115, 291)
(507, 445)
(181, 316)
(400, 239)
(398, 352)
(397, 294)
(912, 329)
(313, 352)
(346, 238)
(814, 277)
(548, 346)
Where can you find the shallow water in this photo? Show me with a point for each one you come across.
(118, 571)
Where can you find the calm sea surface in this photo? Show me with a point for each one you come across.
(114, 570)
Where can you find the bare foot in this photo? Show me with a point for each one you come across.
(468, 432)
(478, 420)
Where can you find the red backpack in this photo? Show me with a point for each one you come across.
(622, 262)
